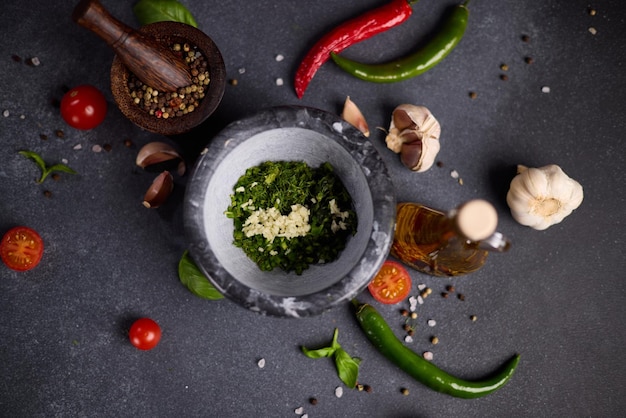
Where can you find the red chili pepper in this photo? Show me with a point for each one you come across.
(349, 33)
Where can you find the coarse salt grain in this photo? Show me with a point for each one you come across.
(6, 113)
(261, 363)
(593, 30)
(77, 147)
(64, 161)
(421, 286)
(96, 148)
(428, 355)
(241, 70)
(454, 174)
(339, 391)
(545, 89)
(280, 57)
(420, 300)
(408, 339)
(432, 322)
(299, 410)
(279, 82)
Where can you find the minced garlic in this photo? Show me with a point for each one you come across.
(271, 223)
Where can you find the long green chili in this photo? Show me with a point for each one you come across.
(383, 338)
(445, 40)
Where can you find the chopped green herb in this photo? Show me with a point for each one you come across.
(288, 215)
(347, 366)
(46, 169)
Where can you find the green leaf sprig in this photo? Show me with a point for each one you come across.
(191, 276)
(46, 169)
(347, 366)
(151, 11)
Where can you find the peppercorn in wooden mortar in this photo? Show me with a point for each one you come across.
(177, 103)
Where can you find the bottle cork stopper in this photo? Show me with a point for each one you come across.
(477, 219)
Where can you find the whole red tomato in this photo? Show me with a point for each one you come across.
(83, 107)
(145, 334)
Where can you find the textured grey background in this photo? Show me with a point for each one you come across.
(557, 297)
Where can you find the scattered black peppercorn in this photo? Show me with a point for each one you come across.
(43, 137)
(59, 133)
(313, 401)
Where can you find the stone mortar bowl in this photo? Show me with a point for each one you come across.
(172, 32)
(296, 134)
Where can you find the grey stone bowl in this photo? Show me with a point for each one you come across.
(297, 134)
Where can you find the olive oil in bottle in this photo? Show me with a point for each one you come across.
(447, 244)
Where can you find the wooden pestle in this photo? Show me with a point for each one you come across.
(151, 61)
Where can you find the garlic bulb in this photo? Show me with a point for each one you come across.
(541, 197)
(414, 133)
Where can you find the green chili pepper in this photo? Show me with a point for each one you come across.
(383, 338)
(416, 63)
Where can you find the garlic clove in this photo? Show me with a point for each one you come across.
(159, 190)
(414, 132)
(159, 152)
(542, 197)
(352, 114)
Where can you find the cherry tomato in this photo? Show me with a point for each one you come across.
(145, 334)
(391, 284)
(83, 107)
(21, 248)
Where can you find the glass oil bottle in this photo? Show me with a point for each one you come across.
(447, 244)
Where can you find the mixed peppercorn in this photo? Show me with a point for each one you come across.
(177, 103)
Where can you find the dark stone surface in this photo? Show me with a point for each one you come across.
(557, 297)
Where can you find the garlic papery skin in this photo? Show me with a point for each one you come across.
(542, 197)
(414, 133)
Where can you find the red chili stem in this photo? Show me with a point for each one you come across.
(349, 33)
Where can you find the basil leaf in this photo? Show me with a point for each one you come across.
(45, 170)
(151, 11)
(35, 157)
(319, 353)
(191, 276)
(61, 167)
(347, 367)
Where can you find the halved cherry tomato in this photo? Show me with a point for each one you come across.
(145, 334)
(83, 107)
(391, 284)
(21, 248)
